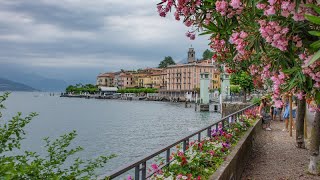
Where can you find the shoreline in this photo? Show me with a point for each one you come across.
(137, 98)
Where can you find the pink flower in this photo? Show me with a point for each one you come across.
(285, 30)
(243, 34)
(159, 7)
(299, 44)
(261, 6)
(271, 2)
(270, 11)
(179, 176)
(192, 36)
(285, 5)
(129, 178)
(300, 95)
(235, 4)
(285, 13)
(154, 166)
(298, 17)
(162, 14)
(188, 23)
(276, 36)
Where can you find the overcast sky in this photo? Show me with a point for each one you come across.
(64, 38)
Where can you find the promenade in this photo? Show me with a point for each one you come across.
(275, 156)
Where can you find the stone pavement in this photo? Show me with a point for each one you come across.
(275, 156)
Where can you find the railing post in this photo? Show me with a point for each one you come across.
(199, 137)
(144, 171)
(184, 145)
(209, 132)
(168, 155)
(137, 172)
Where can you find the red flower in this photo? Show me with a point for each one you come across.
(199, 178)
(184, 161)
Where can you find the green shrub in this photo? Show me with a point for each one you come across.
(256, 100)
(30, 165)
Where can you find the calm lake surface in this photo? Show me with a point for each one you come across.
(129, 129)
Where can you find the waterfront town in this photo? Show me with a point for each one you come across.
(266, 52)
(176, 80)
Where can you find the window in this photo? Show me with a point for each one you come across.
(215, 76)
(127, 82)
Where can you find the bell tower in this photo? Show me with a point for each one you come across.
(191, 55)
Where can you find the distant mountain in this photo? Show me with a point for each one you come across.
(7, 85)
(32, 79)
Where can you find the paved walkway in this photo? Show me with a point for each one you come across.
(275, 156)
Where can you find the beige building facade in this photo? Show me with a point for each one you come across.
(105, 80)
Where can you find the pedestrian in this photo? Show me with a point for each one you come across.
(273, 111)
(294, 112)
(265, 113)
(277, 111)
(286, 113)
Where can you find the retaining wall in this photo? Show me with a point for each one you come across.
(236, 161)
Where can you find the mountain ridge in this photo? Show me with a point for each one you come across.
(7, 85)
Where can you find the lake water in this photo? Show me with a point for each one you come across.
(129, 129)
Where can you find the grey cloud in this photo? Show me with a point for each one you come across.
(96, 34)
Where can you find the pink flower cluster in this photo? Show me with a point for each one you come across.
(277, 80)
(274, 34)
(185, 8)
(229, 9)
(191, 35)
(164, 9)
(208, 19)
(253, 69)
(238, 38)
(313, 70)
(285, 8)
(219, 47)
(217, 44)
(156, 169)
(266, 72)
(300, 95)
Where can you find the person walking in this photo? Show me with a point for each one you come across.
(264, 111)
(286, 113)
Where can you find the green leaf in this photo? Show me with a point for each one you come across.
(291, 70)
(314, 58)
(314, 33)
(315, 8)
(315, 45)
(312, 18)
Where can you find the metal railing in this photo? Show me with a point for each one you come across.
(140, 166)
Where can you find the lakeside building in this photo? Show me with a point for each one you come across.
(173, 81)
(105, 80)
(184, 79)
(156, 79)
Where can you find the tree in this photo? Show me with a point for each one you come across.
(244, 80)
(166, 62)
(30, 165)
(207, 54)
(235, 89)
(270, 38)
